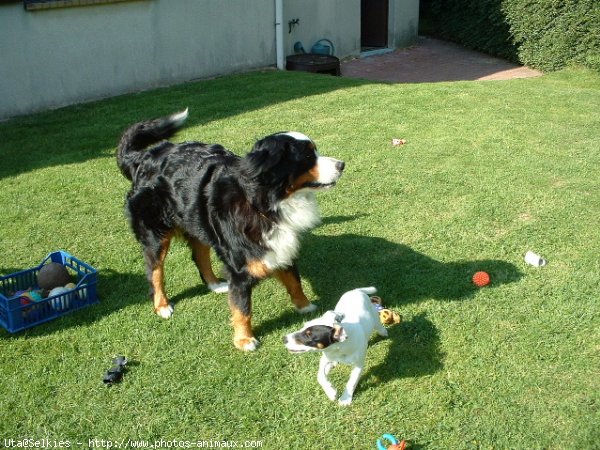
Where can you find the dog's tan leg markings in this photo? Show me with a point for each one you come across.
(201, 255)
(258, 269)
(243, 338)
(161, 301)
(291, 280)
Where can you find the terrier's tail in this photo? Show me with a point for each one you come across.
(368, 290)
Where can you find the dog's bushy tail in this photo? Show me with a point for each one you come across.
(140, 136)
(368, 290)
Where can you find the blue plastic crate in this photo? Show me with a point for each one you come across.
(16, 315)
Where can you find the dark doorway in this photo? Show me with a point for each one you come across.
(374, 24)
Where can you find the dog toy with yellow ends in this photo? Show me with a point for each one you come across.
(395, 444)
(386, 316)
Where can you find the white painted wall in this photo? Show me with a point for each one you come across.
(404, 23)
(57, 57)
(336, 20)
(61, 56)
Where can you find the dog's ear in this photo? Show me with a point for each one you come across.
(338, 333)
(265, 155)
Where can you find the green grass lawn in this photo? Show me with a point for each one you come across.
(490, 170)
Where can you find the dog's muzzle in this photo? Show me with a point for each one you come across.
(330, 171)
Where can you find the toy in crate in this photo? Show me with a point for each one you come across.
(59, 285)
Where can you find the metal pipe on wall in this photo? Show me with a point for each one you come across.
(279, 34)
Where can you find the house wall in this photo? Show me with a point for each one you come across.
(56, 57)
(403, 23)
(336, 20)
(339, 21)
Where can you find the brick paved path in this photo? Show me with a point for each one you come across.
(431, 60)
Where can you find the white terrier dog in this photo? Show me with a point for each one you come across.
(343, 337)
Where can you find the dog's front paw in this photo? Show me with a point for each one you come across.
(330, 392)
(311, 307)
(246, 344)
(165, 311)
(382, 332)
(345, 399)
(219, 288)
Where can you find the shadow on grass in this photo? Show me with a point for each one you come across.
(333, 265)
(79, 133)
(414, 351)
(336, 264)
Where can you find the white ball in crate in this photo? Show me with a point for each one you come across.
(63, 302)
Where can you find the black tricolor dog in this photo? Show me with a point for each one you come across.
(250, 210)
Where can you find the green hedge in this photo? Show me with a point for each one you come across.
(545, 34)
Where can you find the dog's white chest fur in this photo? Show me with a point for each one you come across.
(350, 351)
(299, 213)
